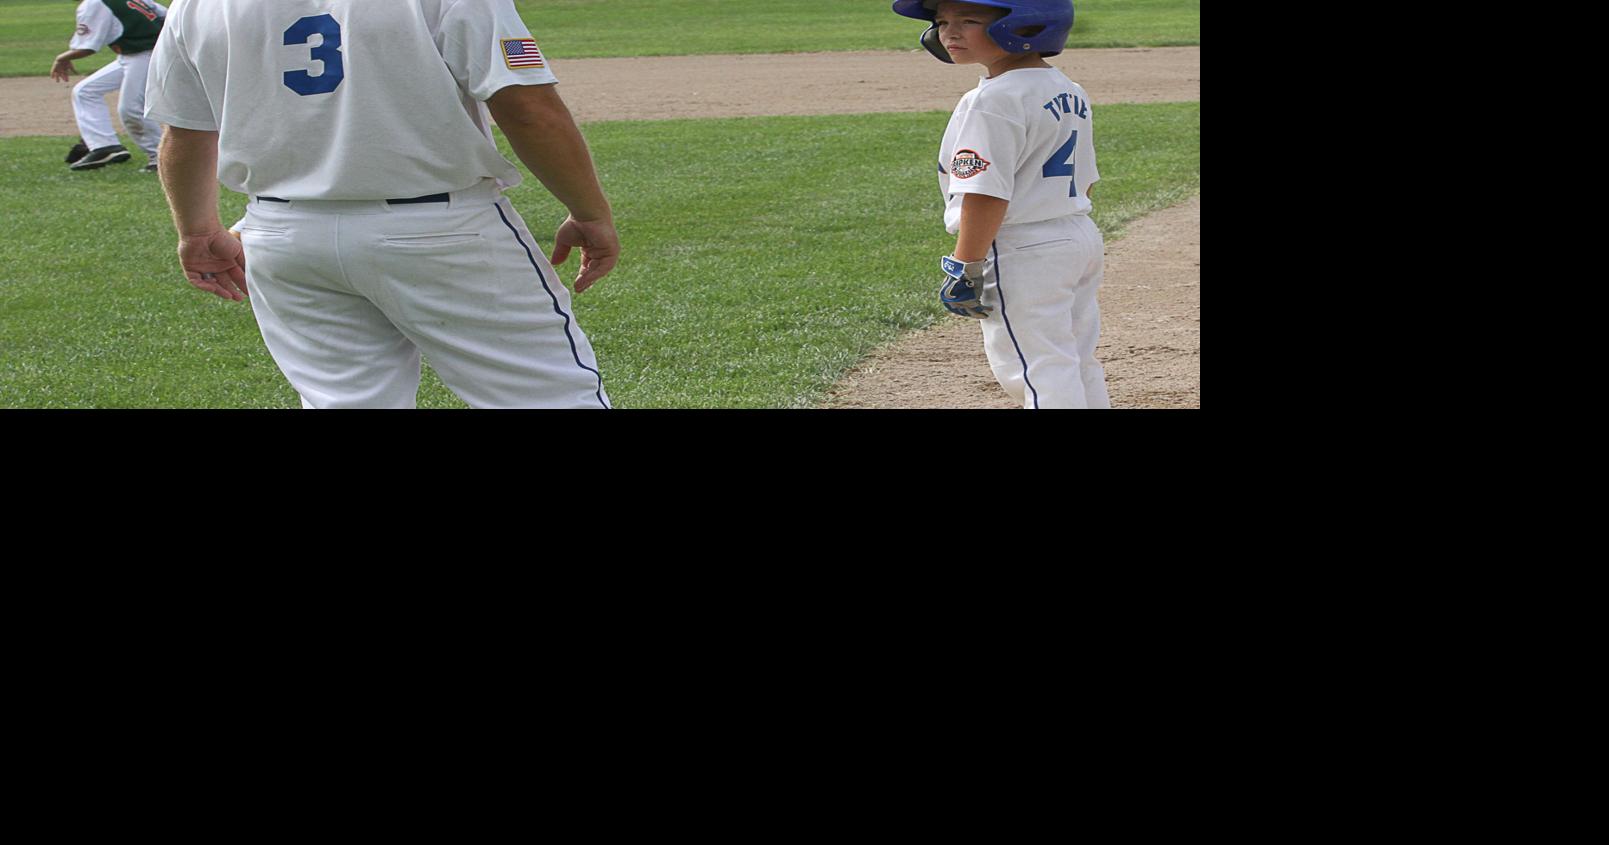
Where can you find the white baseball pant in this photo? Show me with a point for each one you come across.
(126, 76)
(348, 294)
(1044, 284)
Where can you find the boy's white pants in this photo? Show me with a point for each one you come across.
(1044, 283)
(348, 294)
(126, 76)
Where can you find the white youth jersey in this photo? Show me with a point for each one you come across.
(1024, 136)
(344, 99)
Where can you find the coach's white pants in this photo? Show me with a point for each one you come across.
(1044, 285)
(126, 76)
(348, 294)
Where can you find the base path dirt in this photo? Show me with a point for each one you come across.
(845, 83)
(1150, 337)
(737, 86)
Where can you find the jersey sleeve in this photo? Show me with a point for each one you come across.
(96, 27)
(174, 93)
(488, 48)
(987, 147)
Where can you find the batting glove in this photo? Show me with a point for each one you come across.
(963, 283)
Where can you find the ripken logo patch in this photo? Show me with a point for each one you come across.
(968, 164)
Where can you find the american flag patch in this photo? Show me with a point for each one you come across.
(521, 52)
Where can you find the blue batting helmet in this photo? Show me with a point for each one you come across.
(1029, 26)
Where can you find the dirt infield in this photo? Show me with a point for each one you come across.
(1151, 302)
(736, 86)
(1150, 337)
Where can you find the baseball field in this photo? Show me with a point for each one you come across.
(771, 170)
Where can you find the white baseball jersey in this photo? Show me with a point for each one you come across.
(326, 123)
(98, 27)
(1026, 137)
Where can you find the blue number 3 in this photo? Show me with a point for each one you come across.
(1060, 163)
(329, 53)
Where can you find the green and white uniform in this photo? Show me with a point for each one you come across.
(130, 27)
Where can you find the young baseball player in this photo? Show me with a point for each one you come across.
(1015, 167)
(377, 229)
(130, 29)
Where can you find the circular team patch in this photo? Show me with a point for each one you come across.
(968, 164)
(83, 29)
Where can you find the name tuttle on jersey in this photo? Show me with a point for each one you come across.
(1026, 137)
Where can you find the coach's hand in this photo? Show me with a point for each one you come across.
(600, 248)
(214, 262)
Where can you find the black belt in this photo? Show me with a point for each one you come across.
(408, 201)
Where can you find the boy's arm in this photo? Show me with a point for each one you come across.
(94, 28)
(63, 66)
(981, 216)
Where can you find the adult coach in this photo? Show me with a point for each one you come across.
(130, 29)
(377, 229)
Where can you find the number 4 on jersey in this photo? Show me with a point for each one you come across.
(329, 53)
(1061, 163)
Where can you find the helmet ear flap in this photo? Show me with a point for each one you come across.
(930, 40)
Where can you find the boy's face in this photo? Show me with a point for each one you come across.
(964, 31)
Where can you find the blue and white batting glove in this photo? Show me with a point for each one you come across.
(963, 283)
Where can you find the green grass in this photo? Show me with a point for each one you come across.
(32, 32)
(764, 256)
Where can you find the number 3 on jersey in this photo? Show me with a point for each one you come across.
(329, 53)
(1061, 163)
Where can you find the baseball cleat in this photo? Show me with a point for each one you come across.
(100, 158)
(78, 151)
(149, 168)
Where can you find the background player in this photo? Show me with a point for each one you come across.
(130, 29)
(377, 229)
(1016, 166)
